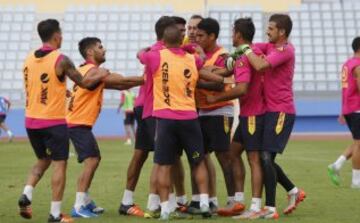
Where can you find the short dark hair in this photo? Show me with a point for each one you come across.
(209, 25)
(196, 16)
(245, 27)
(161, 24)
(172, 35)
(282, 21)
(179, 20)
(47, 28)
(356, 44)
(86, 43)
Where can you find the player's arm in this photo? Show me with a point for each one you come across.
(235, 92)
(212, 86)
(259, 63)
(357, 76)
(119, 82)
(91, 79)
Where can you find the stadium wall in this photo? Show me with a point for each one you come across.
(312, 117)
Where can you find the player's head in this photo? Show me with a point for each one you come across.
(279, 27)
(243, 31)
(91, 48)
(50, 32)
(180, 23)
(161, 24)
(208, 32)
(356, 44)
(172, 36)
(192, 27)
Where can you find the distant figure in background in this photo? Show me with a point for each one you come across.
(127, 105)
(4, 109)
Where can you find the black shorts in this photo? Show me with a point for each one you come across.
(353, 122)
(145, 131)
(2, 118)
(277, 129)
(50, 143)
(216, 132)
(175, 135)
(250, 132)
(84, 142)
(129, 118)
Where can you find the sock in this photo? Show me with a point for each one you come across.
(339, 162)
(295, 190)
(165, 208)
(28, 189)
(87, 199)
(80, 200)
(204, 200)
(172, 202)
(195, 197)
(55, 209)
(153, 202)
(230, 199)
(272, 209)
(255, 204)
(127, 198)
(239, 197)
(181, 199)
(356, 177)
(214, 200)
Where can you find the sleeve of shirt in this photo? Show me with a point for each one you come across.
(220, 62)
(152, 62)
(59, 59)
(261, 46)
(242, 70)
(199, 62)
(279, 56)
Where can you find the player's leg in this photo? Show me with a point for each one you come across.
(58, 144)
(153, 205)
(88, 153)
(356, 165)
(210, 166)
(132, 126)
(36, 172)
(6, 129)
(144, 143)
(190, 137)
(127, 127)
(178, 175)
(334, 168)
(238, 170)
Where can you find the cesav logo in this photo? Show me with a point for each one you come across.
(165, 80)
(44, 78)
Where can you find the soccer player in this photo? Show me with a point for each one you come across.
(83, 110)
(350, 80)
(4, 109)
(279, 120)
(127, 105)
(145, 134)
(175, 74)
(249, 132)
(45, 71)
(216, 118)
(192, 29)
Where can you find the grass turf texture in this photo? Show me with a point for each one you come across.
(304, 161)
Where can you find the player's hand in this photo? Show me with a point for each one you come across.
(244, 49)
(230, 63)
(211, 99)
(229, 80)
(341, 120)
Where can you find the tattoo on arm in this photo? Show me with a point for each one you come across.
(68, 69)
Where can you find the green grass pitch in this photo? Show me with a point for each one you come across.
(304, 161)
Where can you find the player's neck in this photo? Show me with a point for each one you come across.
(357, 54)
(211, 48)
(50, 45)
(281, 42)
(92, 61)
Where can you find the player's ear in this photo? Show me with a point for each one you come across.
(282, 32)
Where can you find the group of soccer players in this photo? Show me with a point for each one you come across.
(185, 103)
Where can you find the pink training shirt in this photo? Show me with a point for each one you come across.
(151, 60)
(350, 91)
(253, 103)
(36, 123)
(278, 79)
(148, 85)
